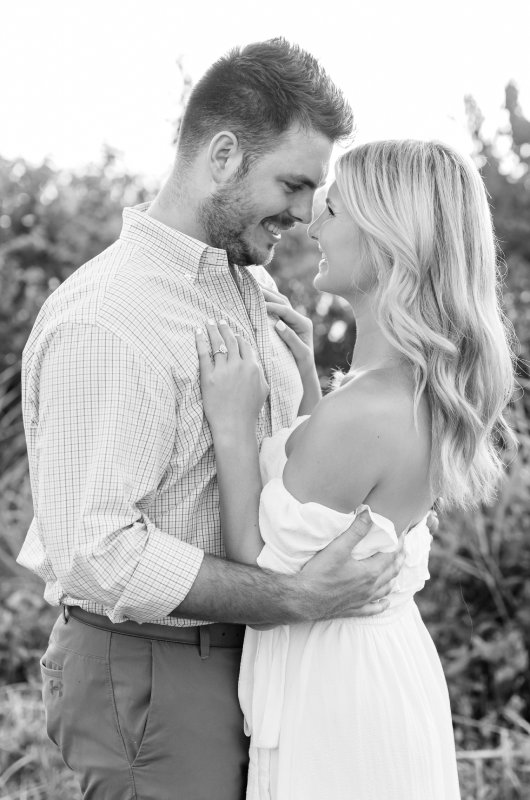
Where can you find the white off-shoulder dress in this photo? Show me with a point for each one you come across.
(348, 709)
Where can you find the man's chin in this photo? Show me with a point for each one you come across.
(248, 258)
(266, 258)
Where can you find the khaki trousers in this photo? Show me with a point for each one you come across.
(143, 719)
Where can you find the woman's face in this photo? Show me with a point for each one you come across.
(341, 270)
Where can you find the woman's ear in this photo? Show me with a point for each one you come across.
(224, 156)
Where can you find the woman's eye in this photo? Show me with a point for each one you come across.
(330, 211)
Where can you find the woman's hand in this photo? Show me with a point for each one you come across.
(297, 333)
(293, 328)
(233, 385)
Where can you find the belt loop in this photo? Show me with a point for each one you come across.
(204, 642)
(66, 614)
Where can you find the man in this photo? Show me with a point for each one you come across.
(140, 696)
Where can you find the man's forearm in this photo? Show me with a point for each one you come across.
(330, 585)
(227, 592)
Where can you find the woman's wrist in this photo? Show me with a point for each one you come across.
(234, 433)
(306, 366)
(312, 395)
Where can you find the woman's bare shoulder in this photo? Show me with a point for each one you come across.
(368, 407)
(342, 452)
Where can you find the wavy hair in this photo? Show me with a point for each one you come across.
(425, 227)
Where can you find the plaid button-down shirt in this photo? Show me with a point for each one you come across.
(121, 459)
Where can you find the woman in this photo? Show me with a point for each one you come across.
(358, 708)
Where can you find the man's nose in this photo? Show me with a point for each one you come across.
(301, 209)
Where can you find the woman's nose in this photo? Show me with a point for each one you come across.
(312, 230)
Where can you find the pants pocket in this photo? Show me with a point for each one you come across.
(52, 689)
(131, 672)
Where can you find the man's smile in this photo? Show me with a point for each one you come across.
(272, 229)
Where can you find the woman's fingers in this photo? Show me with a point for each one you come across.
(224, 344)
(203, 351)
(293, 342)
(302, 326)
(245, 350)
(229, 339)
(275, 297)
(280, 310)
(219, 348)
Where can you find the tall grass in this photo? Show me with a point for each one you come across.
(30, 766)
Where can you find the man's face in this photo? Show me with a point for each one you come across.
(246, 215)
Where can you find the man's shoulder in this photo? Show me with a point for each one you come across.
(123, 283)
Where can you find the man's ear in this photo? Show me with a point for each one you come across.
(224, 156)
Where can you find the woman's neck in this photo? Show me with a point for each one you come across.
(372, 348)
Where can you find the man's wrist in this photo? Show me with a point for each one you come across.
(299, 605)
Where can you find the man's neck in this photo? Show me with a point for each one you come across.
(174, 212)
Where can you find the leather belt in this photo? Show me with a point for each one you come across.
(218, 634)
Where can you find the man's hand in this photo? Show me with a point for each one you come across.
(333, 584)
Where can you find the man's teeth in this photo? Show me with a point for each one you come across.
(276, 232)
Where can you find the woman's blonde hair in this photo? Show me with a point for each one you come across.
(425, 227)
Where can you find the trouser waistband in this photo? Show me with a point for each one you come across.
(218, 634)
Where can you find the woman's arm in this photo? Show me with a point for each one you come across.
(234, 390)
(239, 480)
(307, 369)
(296, 331)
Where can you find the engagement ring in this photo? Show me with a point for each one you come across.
(221, 349)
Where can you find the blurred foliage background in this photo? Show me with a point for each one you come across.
(477, 604)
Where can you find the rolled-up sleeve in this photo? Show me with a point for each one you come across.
(103, 434)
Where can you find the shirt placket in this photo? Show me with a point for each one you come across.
(256, 311)
(239, 294)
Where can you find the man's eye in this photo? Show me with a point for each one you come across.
(291, 187)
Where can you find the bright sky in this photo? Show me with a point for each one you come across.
(76, 75)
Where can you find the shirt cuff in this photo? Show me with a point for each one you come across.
(161, 581)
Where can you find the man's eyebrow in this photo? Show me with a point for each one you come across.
(303, 180)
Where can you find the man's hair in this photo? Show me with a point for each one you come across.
(257, 92)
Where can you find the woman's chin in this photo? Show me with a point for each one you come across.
(319, 282)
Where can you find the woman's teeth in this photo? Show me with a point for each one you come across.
(276, 232)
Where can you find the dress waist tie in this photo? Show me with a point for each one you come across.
(262, 684)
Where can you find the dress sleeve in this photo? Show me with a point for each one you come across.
(293, 531)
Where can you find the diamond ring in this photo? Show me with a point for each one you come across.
(221, 349)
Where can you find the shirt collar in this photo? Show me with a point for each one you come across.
(171, 248)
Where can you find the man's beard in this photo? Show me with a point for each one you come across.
(225, 217)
